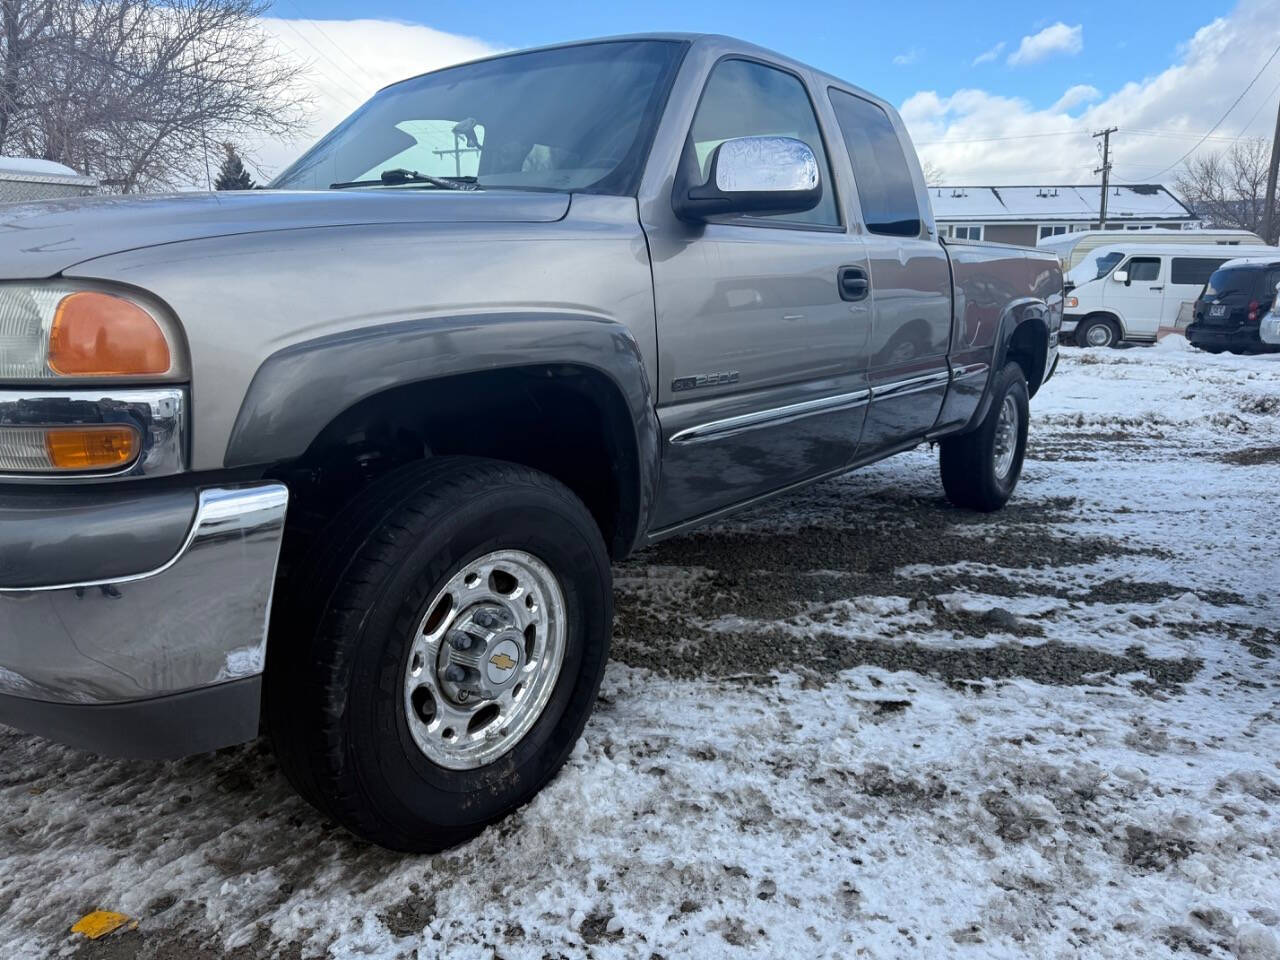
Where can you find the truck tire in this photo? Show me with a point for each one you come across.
(441, 651)
(981, 468)
(1097, 332)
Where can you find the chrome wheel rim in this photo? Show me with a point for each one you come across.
(1098, 335)
(1006, 437)
(484, 659)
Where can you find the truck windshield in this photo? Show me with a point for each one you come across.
(569, 118)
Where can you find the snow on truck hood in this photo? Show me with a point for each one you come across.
(41, 239)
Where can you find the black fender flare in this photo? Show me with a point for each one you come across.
(300, 389)
(1015, 315)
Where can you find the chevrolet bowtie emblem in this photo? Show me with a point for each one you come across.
(502, 661)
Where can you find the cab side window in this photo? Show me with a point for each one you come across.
(1144, 269)
(747, 99)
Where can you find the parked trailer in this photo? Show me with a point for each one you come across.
(1072, 248)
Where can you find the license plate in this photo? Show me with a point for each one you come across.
(1218, 310)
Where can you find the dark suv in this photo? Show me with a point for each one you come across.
(1237, 296)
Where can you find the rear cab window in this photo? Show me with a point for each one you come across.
(885, 187)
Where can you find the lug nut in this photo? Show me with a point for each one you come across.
(454, 673)
(461, 640)
(485, 618)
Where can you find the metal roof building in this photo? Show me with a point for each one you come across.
(1025, 215)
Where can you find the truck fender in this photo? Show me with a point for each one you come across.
(1016, 314)
(300, 389)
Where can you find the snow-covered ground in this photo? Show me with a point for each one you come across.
(853, 723)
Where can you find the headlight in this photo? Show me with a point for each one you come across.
(1072, 302)
(61, 330)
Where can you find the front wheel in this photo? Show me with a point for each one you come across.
(443, 651)
(981, 468)
(1097, 332)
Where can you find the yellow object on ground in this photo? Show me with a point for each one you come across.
(99, 923)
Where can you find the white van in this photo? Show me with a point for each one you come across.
(1129, 291)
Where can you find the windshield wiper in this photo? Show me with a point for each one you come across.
(400, 175)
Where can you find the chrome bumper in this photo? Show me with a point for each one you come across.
(197, 620)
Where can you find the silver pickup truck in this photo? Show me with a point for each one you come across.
(349, 458)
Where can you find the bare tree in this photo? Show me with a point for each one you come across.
(1228, 188)
(137, 92)
(933, 173)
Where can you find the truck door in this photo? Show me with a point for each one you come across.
(911, 295)
(762, 361)
(1139, 300)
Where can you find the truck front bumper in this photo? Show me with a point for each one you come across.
(161, 661)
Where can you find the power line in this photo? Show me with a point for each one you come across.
(1127, 131)
(1265, 102)
(333, 43)
(1220, 119)
(1024, 136)
(359, 83)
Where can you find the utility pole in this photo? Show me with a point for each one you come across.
(1269, 211)
(457, 152)
(1105, 170)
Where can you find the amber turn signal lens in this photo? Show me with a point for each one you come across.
(99, 335)
(90, 448)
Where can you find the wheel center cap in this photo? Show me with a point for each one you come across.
(502, 661)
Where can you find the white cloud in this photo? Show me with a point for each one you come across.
(989, 55)
(982, 137)
(348, 61)
(1058, 38)
(906, 59)
(1074, 96)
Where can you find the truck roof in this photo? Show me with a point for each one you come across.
(730, 44)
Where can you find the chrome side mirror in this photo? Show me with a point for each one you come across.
(760, 175)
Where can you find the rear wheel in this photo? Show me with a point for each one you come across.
(981, 468)
(443, 652)
(1097, 332)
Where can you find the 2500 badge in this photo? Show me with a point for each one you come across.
(704, 380)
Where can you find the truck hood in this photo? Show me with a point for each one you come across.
(41, 239)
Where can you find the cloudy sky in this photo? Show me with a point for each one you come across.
(1000, 92)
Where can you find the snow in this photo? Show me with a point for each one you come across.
(30, 165)
(1054, 203)
(853, 723)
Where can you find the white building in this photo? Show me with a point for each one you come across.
(24, 178)
(1024, 215)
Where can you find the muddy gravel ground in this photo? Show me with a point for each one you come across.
(855, 722)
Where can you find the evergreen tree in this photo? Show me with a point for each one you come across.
(232, 175)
